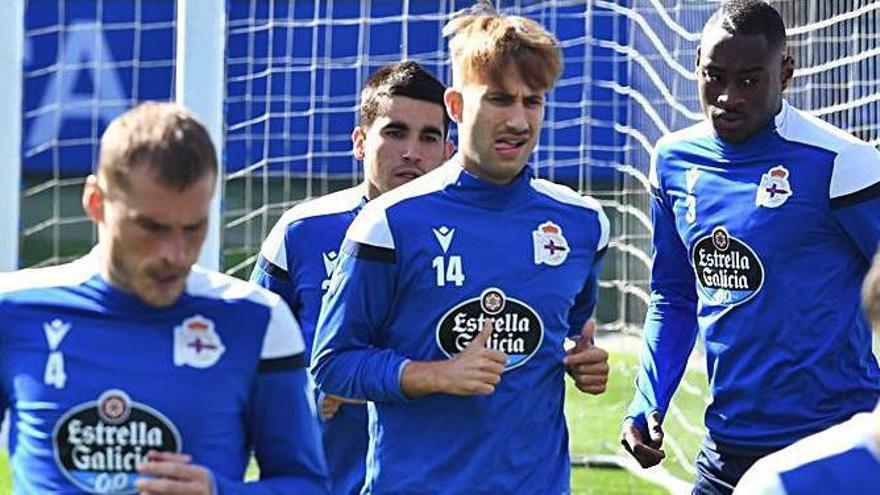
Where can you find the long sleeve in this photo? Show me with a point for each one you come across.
(346, 358)
(280, 420)
(670, 326)
(585, 302)
(855, 196)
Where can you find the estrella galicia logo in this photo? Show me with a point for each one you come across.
(98, 445)
(518, 331)
(728, 270)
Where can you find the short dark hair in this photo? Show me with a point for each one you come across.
(163, 137)
(401, 79)
(750, 17)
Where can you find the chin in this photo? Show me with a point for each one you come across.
(161, 299)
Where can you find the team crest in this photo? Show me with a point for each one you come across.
(550, 246)
(196, 343)
(774, 189)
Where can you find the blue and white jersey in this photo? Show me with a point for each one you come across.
(93, 379)
(295, 262)
(762, 247)
(422, 267)
(301, 251)
(844, 459)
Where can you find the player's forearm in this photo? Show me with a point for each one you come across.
(361, 373)
(420, 378)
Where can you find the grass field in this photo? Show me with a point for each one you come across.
(594, 426)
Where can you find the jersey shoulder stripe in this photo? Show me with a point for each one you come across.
(371, 227)
(66, 275)
(566, 195)
(274, 249)
(856, 163)
(283, 336)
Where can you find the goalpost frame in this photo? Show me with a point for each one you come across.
(199, 86)
(11, 59)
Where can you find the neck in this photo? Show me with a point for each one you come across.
(473, 167)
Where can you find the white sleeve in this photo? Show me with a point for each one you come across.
(761, 479)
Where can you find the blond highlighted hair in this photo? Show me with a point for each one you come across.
(163, 137)
(485, 44)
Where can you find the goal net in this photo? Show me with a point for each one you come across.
(294, 68)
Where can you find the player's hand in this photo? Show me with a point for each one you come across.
(330, 405)
(475, 370)
(647, 451)
(169, 473)
(586, 363)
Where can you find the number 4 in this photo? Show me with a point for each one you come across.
(54, 374)
(451, 272)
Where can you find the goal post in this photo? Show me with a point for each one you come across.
(11, 58)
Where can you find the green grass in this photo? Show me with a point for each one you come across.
(594, 426)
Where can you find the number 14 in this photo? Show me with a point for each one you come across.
(448, 272)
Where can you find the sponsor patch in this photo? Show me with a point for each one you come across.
(196, 343)
(99, 445)
(550, 247)
(774, 189)
(518, 330)
(728, 270)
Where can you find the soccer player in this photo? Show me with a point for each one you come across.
(765, 222)
(131, 369)
(401, 135)
(842, 459)
(454, 293)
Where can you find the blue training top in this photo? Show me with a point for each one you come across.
(762, 247)
(93, 379)
(423, 266)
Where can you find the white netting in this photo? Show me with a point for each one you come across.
(293, 73)
(85, 63)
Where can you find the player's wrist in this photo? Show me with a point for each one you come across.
(421, 378)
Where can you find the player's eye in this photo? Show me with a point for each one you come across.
(750, 82)
(395, 133)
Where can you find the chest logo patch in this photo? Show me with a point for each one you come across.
(728, 270)
(550, 247)
(518, 332)
(99, 445)
(774, 189)
(196, 343)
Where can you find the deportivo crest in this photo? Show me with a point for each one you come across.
(98, 445)
(774, 189)
(728, 270)
(196, 343)
(550, 247)
(518, 330)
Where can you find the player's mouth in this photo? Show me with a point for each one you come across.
(408, 174)
(728, 122)
(509, 147)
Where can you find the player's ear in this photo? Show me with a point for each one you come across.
(453, 100)
(697, 60)
(93, 199)
(449, 149)
(358, 136)
(787, 71)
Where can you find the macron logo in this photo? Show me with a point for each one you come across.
(55, 332)
(444, 237)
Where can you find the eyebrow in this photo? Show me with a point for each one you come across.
(396, 125)
(430, 129)
(716, 68)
